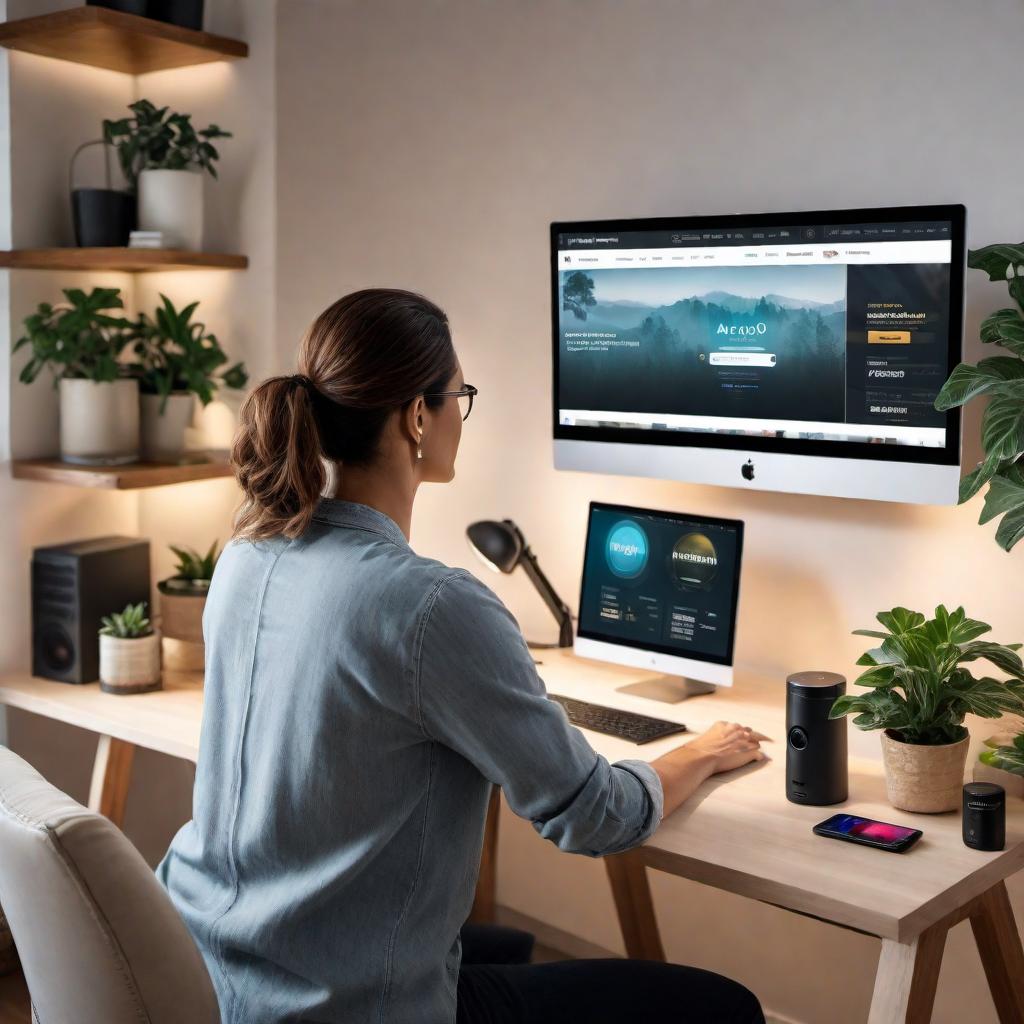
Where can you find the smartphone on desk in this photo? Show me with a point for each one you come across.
(868, 832)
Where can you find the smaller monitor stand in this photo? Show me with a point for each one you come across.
(667, 689)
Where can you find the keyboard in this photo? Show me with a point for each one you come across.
(626, 725)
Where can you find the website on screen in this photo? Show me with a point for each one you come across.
(823, 332)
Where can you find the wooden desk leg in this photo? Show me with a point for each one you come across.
(632, 893)
(482, 911)
(111, 773)
(907, 975)
(995, 932)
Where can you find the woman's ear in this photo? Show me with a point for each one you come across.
(413, 420)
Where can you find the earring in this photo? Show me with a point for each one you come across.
(419, 447)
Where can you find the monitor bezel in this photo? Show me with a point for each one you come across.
(665, 649)
(948, 455)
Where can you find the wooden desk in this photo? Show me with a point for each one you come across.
(167, 720)
(740, 833)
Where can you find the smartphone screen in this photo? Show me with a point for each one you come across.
(868, 831)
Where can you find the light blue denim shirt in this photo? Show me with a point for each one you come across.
(360, 700)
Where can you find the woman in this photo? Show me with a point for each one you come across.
(360, 702)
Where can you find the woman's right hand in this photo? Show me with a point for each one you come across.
(728, 745)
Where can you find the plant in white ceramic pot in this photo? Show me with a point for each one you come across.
(179, 360)
(166, 156)
(919, 694)
(81, 341)
(183, 595)
(129, 652)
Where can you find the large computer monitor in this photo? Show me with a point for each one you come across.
(792, 352)
(659, 592)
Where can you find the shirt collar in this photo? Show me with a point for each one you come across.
(358, 517)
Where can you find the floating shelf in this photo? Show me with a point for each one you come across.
(210, 465)
(136, 261)
(110, 39)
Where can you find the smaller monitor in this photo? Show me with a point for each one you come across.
(659, 591)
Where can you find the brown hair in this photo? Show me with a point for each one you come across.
(368, 354)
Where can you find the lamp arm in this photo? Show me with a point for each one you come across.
(559, 609)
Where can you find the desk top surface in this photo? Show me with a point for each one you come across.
(738, 832)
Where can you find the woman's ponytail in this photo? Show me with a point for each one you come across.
(276, 458)
(365, 356)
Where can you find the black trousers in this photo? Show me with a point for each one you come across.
(498, 985)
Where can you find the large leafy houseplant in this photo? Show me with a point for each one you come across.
(156, 138)
(81, 338)
(918, 687)
(177, 354)
(1001, 379)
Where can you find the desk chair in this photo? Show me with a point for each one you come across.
(99, 939)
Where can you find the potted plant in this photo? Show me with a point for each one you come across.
(164, 156)
(179, 361)
(1003, 762)
(129, 652)
(919, 694)
(1001, 379)
(81, 341)
(183, 595)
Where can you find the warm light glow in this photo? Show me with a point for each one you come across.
(476, 551)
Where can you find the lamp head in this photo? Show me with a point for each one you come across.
(498, 545)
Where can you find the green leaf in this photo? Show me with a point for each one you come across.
(995, 326)
(1011, 529)
(1003, 656)
(900, 620)
(1002, 428)
(996, 260)
(967, 381)
(881, 675)
(1004, 494)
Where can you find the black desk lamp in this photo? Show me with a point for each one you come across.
(501, 547)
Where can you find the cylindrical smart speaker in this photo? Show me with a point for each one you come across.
(984, 817)
(815, 744)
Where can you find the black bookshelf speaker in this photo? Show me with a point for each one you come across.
(73, 586)
(816, 770)
(984, 817)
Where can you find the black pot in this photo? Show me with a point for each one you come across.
(138, 7)
(186, 13)
(102, 216)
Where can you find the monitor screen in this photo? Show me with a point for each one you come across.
(666, 582)
(825, 333)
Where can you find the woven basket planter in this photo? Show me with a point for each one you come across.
(130, 665)
(924, 779)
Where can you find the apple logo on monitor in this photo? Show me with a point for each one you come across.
(694, 562)
(747, 469)
(626, 550)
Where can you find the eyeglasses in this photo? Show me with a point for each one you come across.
(465, 395)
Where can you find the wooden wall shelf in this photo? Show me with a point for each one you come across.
(110, 39)
(136, 261)
(211, 465)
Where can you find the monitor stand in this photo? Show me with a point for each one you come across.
(667, 689)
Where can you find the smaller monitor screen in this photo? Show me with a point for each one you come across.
(661, 581)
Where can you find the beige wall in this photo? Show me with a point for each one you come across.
(428, 145)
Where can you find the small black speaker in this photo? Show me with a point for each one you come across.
(73, 586)
(815, 744)
(984, 817)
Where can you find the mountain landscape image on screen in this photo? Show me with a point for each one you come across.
(643, 340)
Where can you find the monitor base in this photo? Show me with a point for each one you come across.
(667, 689)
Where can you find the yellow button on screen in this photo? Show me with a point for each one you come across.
(888, 337)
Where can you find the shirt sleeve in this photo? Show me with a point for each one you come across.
(478, 692)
